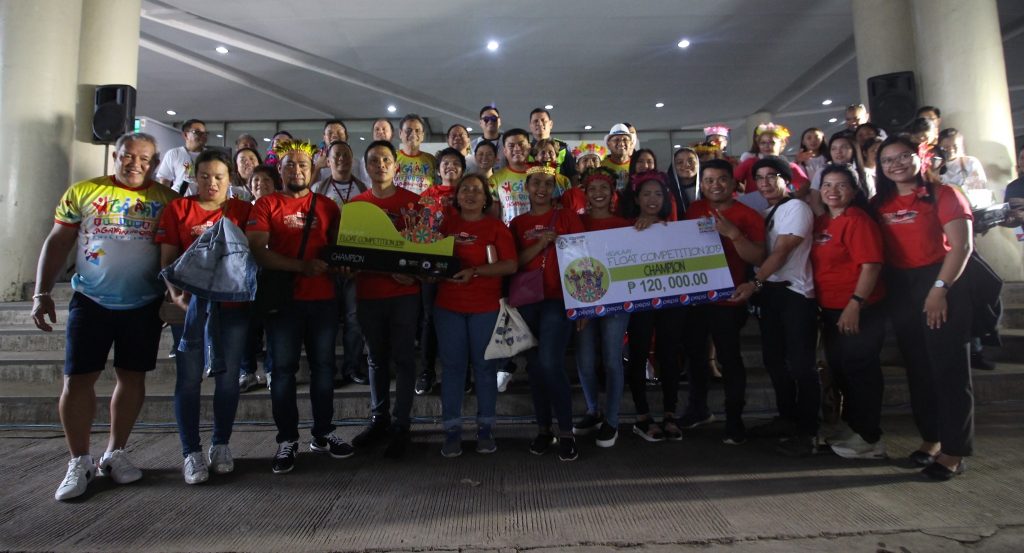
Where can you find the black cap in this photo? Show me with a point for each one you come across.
(775, 162)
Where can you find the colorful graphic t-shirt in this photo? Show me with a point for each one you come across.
(184, 220)
(284, 217)
(912, 227)
(415, 173)
(526, 230)
(116, 259)
(621, 171)
(178, 166)
(480, 294)
(508, 187)
(840, 247)
(371, 285)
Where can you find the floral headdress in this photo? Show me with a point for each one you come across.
(589, 149)
(721, 130)
(544, 168)
(778, 130)
(289, 146)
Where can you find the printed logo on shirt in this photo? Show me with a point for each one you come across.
(93, 254)
(298, 220)
(198, 230)
(822, 237)
(534, 233)
(465, 238)
(901, 217)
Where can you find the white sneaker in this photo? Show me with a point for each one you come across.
(80, 473)
(118, 467)
(857, 448)
(220, 459)
(503, 379)
(247, 382)
(194, 468)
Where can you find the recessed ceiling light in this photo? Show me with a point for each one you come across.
(220, 136)
(826, 102)
(683, 43)
(392, 109)
(221, 50)
(549, 106)
(171, 112)
(659, 105)
(677, 146)
(362, 138)
(833, 120)
(587, 127)
(492, 45)
(469, 129)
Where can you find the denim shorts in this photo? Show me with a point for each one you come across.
(92, 329)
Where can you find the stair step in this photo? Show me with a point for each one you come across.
(61, 292)
(19, 313)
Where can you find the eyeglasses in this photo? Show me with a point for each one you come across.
(902, 158)
(197, 133)
(770, 178)
(489, 119)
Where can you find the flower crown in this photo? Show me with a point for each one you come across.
(716, 129)
(639, 178)
(778, 130)
(541, 168)
(589, 149)
(288, 146)
(599, 176)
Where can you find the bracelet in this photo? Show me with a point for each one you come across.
(858, 299)
(758, 284)
(38, 295)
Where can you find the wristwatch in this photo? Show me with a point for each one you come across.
(941, 284)
(758, 284)
(857, 299)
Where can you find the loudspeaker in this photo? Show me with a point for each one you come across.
(113, 112)
(892, 100)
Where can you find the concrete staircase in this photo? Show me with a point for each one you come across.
(31, 364)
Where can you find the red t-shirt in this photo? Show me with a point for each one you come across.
(575, 200)
(526, 228)
(840, 247)
(439, 195)
(591, 224)
(372, 285)
(480, 294)
(183, 221)
(750, 223)
(284, 217)
(744, 174)
(912, 228)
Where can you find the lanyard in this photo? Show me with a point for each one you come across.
(334, 185)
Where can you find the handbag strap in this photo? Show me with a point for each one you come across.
(544, 252)
(306, 227)
(771, 214)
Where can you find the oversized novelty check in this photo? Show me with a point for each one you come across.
(612, 271)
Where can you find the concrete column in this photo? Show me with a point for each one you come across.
(108, 54)
(39, 56)
(961, 69)
(884, 37)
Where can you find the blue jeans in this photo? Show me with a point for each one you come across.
(389, 326)
(315, 325)
(612, 330)
(230, 341)
(545, 364)
(462, 338)
(352, 335)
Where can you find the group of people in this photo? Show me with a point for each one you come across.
(813, 245)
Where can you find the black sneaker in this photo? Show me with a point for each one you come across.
(606, 435)
(648, 430)
(797, 446)
(542, 443)
(779, 427)
(284, 460)
(360, 378)
(587, 425)
(978, 362)
(693, 420)
(735, 432)
(397, 446)
(670, 429)
(375, 432)
(567, 449)
(333, 445)
(424, 383)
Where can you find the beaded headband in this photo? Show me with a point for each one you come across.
(541, 168)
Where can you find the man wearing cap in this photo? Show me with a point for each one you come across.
(540, 127)
(620, 144)
(785, 287)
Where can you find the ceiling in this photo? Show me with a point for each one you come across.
(598, 62)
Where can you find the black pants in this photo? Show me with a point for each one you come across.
(857, 368)
(389, 325)
(789, 333)
(722, 323)
(666, 326)
(427, 334)
(938, 361)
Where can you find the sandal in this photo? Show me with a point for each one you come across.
(648, 430)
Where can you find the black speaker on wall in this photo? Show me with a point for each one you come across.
(113, 112)
(892, 100)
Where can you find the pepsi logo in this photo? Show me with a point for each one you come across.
(571, 314)
(684, 299)
(712, 295)
(656, 303)
(627, 306)
(599, 310)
